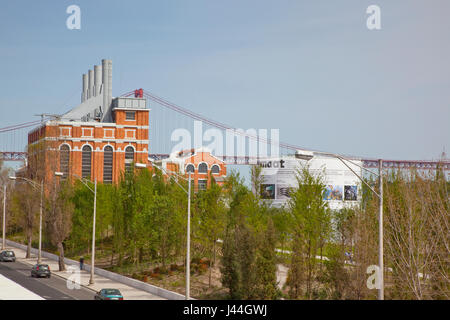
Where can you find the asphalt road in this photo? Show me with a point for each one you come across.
(50, 289)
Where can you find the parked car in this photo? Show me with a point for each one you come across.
(41, 270)
(7, 255)
(108, 294)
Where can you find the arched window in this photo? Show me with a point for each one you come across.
(107, 164)
(215, 169)
(190, 168)
(129, 157)
(64, 160)
(202, 168)
(86, 161)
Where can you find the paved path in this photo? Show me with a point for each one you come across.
(82, 278)
(282, 272)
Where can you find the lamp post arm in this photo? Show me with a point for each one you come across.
(338, 156)
(170, 177)
(362, 180)
(342, 160)
(35, 185)
(83, 181)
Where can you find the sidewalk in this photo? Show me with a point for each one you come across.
(129, 293)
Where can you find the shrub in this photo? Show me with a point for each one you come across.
(156, 276)
(195, 260)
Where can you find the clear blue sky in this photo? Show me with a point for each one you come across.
(309, 68)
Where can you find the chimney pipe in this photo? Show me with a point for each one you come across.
(91, 84)
(85, 86)
(97, 79)
(107, 89)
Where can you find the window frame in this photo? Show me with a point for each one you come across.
(199, 166)
(130, 112)
(83, 159)
(105, 165)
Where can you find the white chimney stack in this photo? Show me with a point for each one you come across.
(91, 84)
(85, 88)
(97, 79)
(107, 89)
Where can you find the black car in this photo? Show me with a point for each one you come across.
(40, 270)
(7, 255)
(108, 294)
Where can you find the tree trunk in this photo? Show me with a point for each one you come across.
(210, 266)
(28, 247)
(141, 254)
(62, 266)
(214, 253)
(112, 257)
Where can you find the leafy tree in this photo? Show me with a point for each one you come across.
(231, 275)
(310, 221)
(249, 263)
(266, 278)
(210, 213)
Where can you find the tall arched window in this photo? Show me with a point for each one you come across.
(86, 161)
(129, 157)
(202, 168)
(107, 164)
(190, 168)
(64, 160)
(215, 169)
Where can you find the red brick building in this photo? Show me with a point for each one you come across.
(99, 138)
(200, 162)
(103, 136)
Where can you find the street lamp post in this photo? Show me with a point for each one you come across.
(4, 218)
(308, 155)
(41, 188)
(380, 235)
(188, 244)
(188, 236)
(40, 224)
(91, 280)
(60, 174)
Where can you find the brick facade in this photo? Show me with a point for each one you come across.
(120, 135)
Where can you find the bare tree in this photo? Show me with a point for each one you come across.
(59, 217)
(417, 236)
(25, 206)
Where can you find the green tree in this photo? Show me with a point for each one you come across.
(210, 214)
(266, 268)
(310, 222)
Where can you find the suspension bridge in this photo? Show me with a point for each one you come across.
(165, 117)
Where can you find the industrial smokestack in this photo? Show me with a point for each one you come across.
(91, 84)
(97, 79)
(85, 88)
(107, 89)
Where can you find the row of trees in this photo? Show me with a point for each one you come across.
(143, 219)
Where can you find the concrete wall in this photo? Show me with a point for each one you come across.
(107, 274)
